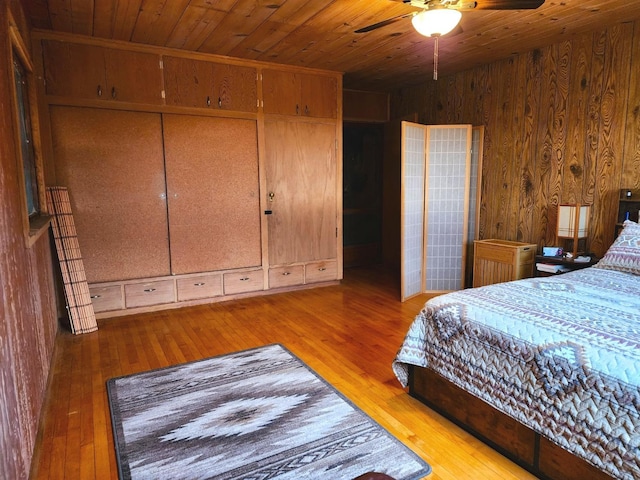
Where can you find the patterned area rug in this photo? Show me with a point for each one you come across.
(255, 414)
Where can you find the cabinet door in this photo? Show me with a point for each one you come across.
(301, 191)
(281, 92)
(318, 96)
(74, 70)
(133, 76)
(235, 87)
(112, 163)
(188, 82)
(212, 186)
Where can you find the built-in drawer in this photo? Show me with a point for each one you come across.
(323, 271)
(149, 293)
(105, 299)
(241, 282)
(286, 276)
(202, 286)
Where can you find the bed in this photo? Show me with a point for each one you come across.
(546, 370)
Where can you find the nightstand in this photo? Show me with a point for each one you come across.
(568, 264)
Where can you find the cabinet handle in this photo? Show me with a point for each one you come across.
(149, 290)
(306, 109)
(208, 101)
(286, 273)
(297, 109)
(244, 279)
(199, 284)
(95, 296)
(322, 269)
(219, 102)
(114, 94)
(99, 92)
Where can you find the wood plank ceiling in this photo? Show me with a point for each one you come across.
(320, 33)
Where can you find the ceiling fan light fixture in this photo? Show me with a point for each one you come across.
(436, 22)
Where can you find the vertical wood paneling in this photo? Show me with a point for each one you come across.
(528, 206)
(592, 127)
(631, 159)
(28, 322)
(611, 138)
(576, 160)
(562, 124)
(518, 214)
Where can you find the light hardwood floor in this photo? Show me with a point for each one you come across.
(348, 334)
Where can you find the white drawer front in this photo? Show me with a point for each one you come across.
(149, 293)
(203, 286)
(286, 276)
(105, 299)
(241, 282)
(323, 271)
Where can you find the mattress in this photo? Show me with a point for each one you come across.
(559, 354)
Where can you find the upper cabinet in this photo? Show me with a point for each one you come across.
(94, 72)
(302, 94)
(198, 83)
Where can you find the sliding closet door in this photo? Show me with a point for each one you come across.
(213, 192)
(412, 230)
(113, 165)
(447, 206)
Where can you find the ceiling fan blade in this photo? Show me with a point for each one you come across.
(383, 23)
(507, 4)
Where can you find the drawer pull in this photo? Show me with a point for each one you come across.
(95, 296)
(199, 284)
(284, 274)
(244, 279)
(322, 269)
(149, 290)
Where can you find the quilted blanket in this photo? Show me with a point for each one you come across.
(559, 354)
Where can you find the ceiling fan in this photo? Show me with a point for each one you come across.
(440, 17)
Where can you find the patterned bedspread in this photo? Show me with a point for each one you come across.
(559, 354)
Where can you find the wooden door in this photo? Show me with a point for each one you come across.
(188, 82)
(280, 92)
(213, 192)
(74, 70)
(318, 95)
(133, 76)
(235, 87)
(112, 163)
(301, 190)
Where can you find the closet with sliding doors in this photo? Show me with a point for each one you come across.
(192, 177)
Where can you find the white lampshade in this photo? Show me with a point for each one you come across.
(573, 221)
(437, 21)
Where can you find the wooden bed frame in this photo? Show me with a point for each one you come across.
(517, 442)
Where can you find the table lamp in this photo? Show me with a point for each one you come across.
(573, 224)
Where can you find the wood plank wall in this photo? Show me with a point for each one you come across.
(562, 125)
(28, 319)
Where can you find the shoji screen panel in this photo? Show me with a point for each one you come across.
(475, 180)
(447, 204)
(412, 210)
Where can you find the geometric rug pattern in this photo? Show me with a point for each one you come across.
(253, 415)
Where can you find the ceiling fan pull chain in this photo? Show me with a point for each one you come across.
(435, 58)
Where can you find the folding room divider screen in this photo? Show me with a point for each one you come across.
(436, 191)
